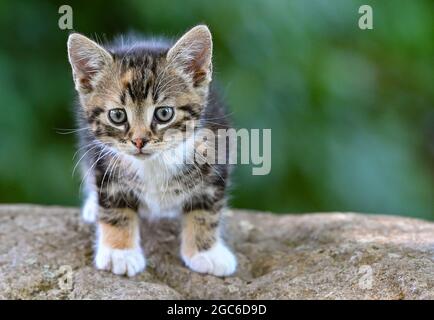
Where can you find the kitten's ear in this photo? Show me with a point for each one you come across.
(193, 53)
(87, 58)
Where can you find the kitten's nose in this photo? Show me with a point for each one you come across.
(139, 142)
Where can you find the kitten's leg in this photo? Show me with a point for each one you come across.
(202, 248)
(118, 242)
(89, 212)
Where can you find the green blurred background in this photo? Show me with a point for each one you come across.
(351, 111)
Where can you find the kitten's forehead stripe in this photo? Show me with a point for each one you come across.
(122, 97)
(131, 93)
(138, 76)
(148, 84)
(154, 65)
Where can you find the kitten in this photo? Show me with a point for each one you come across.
(130, 95)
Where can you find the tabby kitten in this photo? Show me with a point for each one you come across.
(130, 95)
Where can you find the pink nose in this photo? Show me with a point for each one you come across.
(139, 142)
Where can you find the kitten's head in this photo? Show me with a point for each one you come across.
(131, 96)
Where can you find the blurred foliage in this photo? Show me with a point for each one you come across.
(351, 111)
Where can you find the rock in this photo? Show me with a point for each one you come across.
(46, 253)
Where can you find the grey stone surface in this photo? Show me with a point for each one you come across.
(46, 253)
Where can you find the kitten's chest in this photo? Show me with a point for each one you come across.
(159, 194)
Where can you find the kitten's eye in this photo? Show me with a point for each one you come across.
(117, 116)
(163, 114)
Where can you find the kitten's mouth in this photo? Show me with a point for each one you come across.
(142, 154)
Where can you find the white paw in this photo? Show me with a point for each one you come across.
(120, 261)
(218, 261)
(90, 209)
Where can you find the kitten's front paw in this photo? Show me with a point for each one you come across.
(120, 261)
(218, 261)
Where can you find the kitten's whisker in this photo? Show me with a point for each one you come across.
(95, 162)
(117, 157)
(211, 166)
(82, 147)
(218, 118)
(76, 165)
(70, 131)
(112, 160)
(210, 122)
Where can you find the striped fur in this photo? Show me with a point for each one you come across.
(139, 76)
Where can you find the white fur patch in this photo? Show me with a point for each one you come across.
(154, 174)
(90, 208)
(120, 262)
(218, 261)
